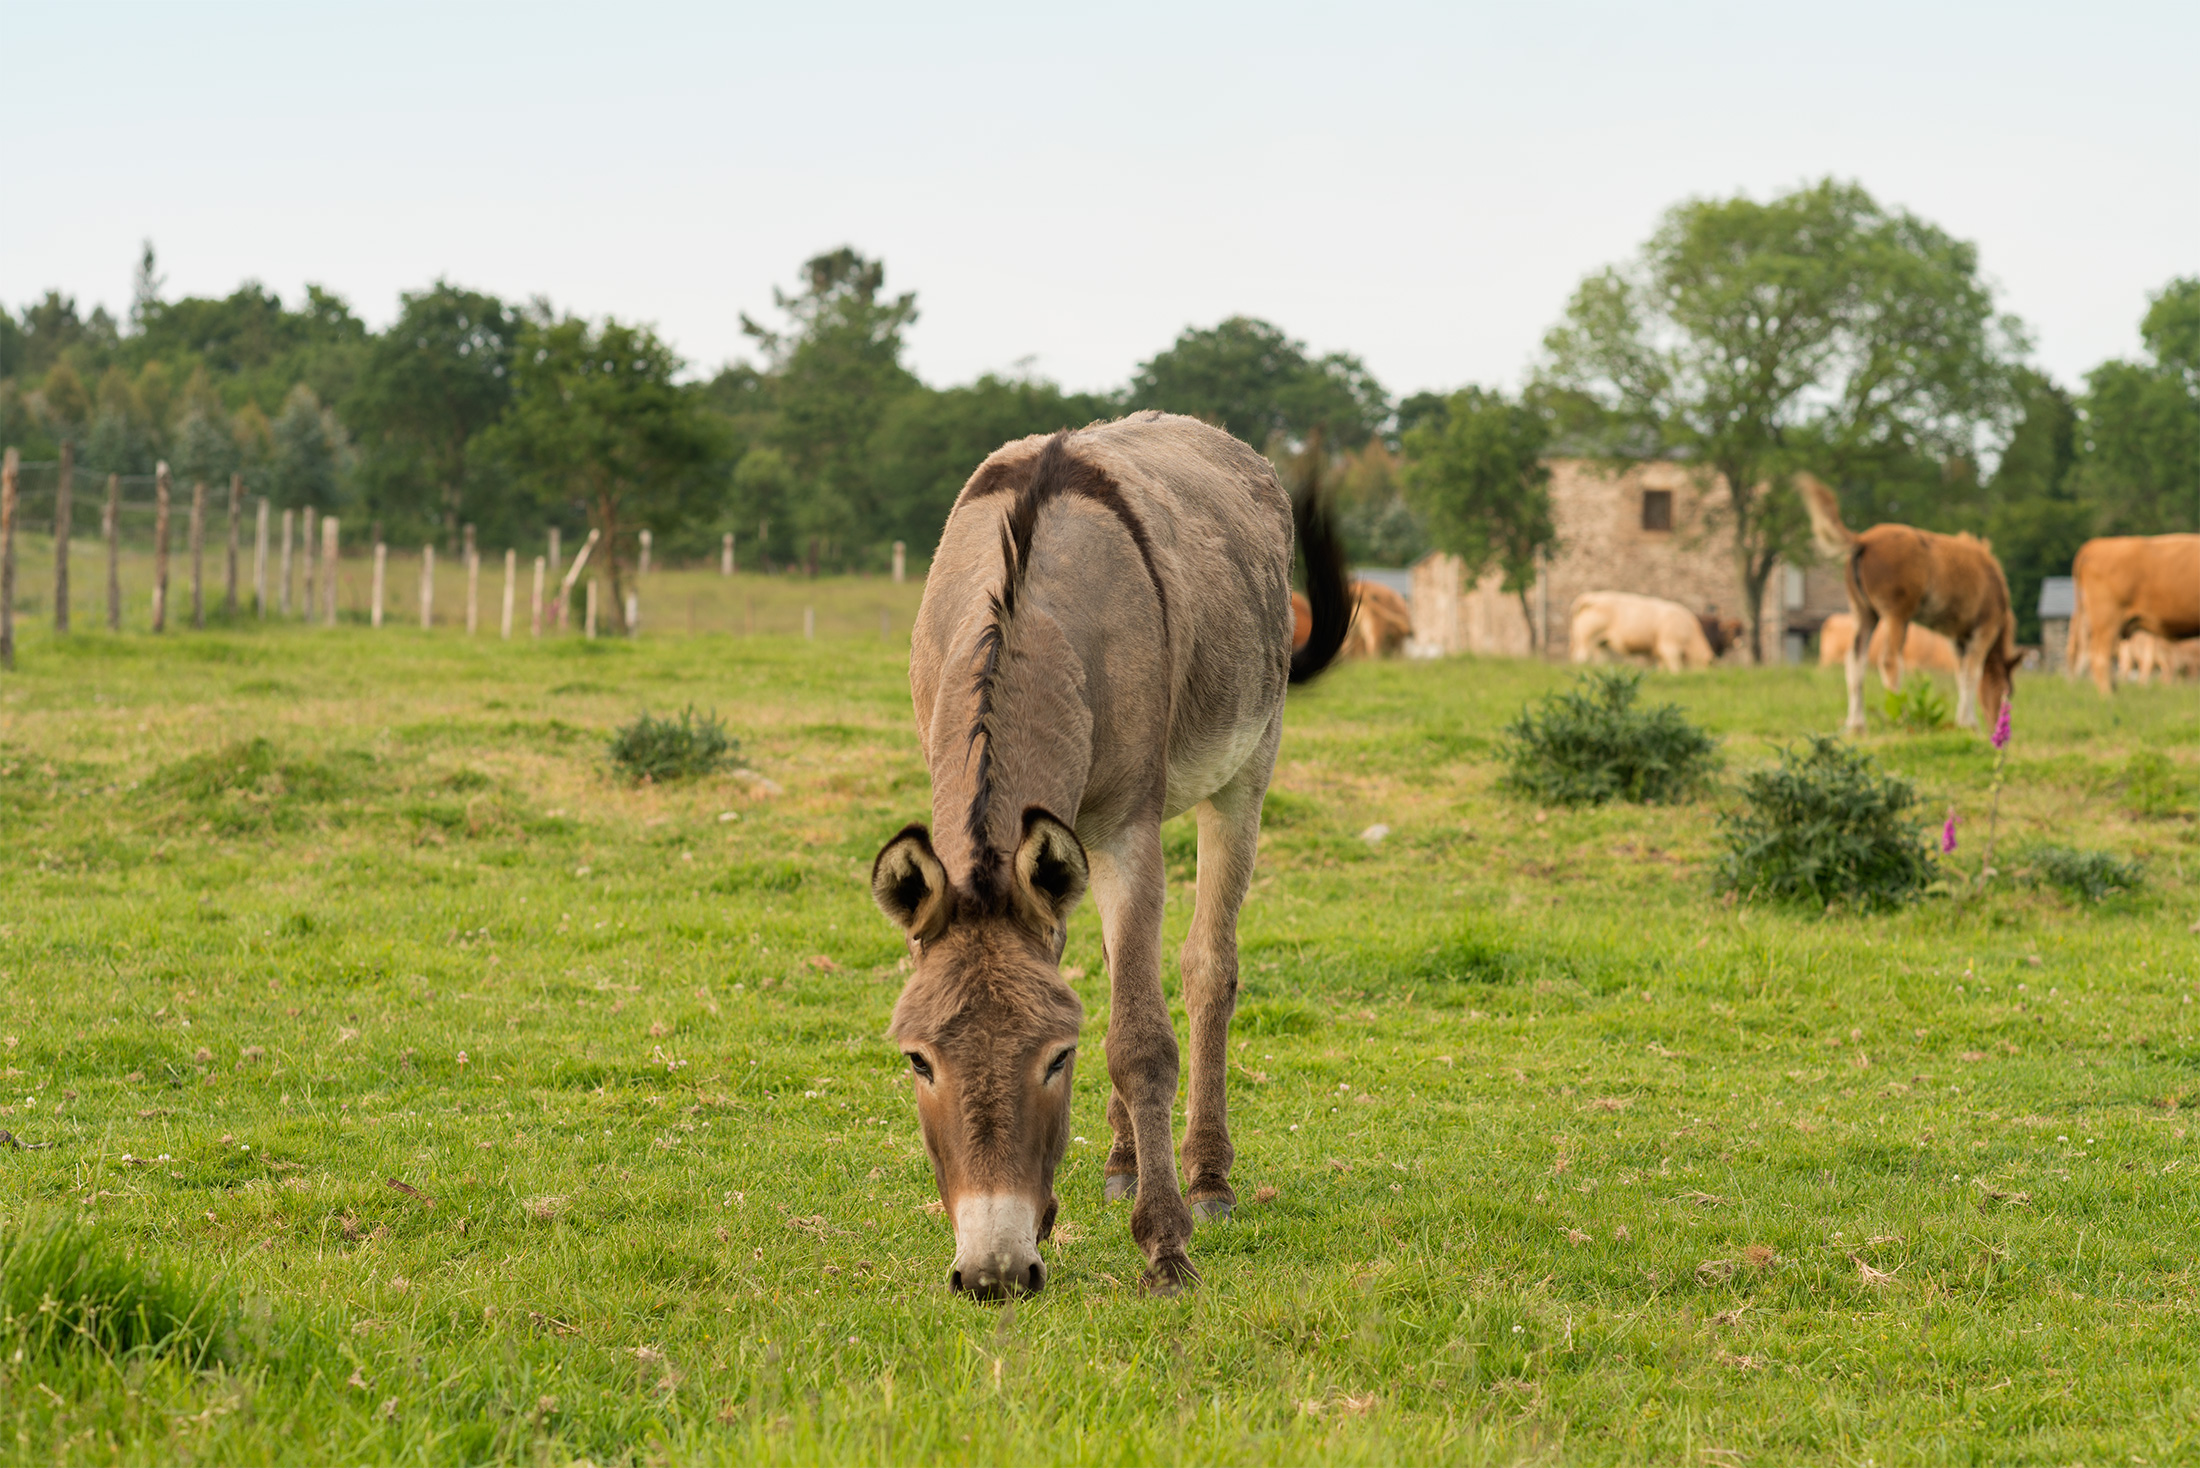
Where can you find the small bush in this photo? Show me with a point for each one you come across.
(2094, 875)
(1825, 826)
(1918, 706)
(673, 749)
(1590, 744)
(2152, 786)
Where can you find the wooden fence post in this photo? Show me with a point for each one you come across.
(259, 560)
(9, 469)
(313, 584)
(161, 490)
(809, 622)
(229, 592)
(591, 607)
(511, 588)
(111, 524)
(198, 553)
(573, 574)
(901, 561)
(644, 569)
(553, 550)
(381, 568)
(329, 524)
(290, 568)
(63, 493)
(725, 556)
(534, 626)
(633, 613)
(473, 586)
(427, 585)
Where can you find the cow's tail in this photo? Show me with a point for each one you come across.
(1834, 539)
(1328, 596)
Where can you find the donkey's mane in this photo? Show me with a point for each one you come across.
(1053, 473)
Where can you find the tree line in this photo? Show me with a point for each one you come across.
(1818, 330)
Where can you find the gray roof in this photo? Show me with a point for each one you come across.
(1398, 581)
(2058, 596)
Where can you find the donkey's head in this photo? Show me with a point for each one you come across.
(1996, 672)
(990, 1030)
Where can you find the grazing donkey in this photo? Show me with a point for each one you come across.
(1104, 643)
(1950, 584)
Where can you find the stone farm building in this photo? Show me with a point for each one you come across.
(1650, 529)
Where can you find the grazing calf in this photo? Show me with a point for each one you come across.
(2128, 583)
(1104, 642)
(1922, 648)
(1901, 575)
(1638, 626)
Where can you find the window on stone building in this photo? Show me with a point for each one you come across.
(1657, 509)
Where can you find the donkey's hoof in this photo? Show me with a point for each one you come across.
(1170, 1275)
(1208, 1210)
(1120, 1185)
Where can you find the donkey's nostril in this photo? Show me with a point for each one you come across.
(1035, 1279)
(955, 1281)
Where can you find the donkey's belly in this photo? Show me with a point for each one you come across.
(1198, 772)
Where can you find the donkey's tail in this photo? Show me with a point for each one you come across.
(1327, 594)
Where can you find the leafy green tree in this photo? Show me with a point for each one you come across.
(929, 442)
(440, 376)
(1751, 340)
(831, 376)
(1475, 471)
(2035, 519)
(1246, 376)
(599, 422)
(68, 405)
(2139, 457)
(204, 448)
(305, 453)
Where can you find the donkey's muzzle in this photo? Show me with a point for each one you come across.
(996, 1248)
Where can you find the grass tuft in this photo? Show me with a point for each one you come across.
(1918, 706)
(2094, 875)
(658, 750)
(67, 1286)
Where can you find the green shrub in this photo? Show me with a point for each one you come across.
(1590, 744)
(1918, 706)
(673, 749)
(1825, 826)
(2153, 787)
(2096, 875)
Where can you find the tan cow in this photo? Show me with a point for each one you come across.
(1381, 622)
(2128, 583)
(1922, 648)
(2141, 655)
(1638, 626)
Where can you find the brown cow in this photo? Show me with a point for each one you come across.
(1921, 649)
(1950, 583)
(2131, 582)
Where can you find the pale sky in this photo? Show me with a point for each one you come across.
(1421, 184)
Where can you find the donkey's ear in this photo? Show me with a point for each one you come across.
(909, 884)
(1050, 872)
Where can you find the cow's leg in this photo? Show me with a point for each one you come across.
(2101, 654)
(1128, 881)
(1859, 650)
(1229, 833)
(1890, 660)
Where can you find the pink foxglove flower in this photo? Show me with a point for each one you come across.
(1948, 833)
(2001, 725)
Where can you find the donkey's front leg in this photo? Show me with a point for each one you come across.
(1229, 834)
(1127, 884)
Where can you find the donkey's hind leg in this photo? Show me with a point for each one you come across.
(1229, 833)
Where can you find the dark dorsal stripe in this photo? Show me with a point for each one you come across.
(1053, 473)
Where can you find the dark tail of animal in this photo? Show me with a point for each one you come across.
(1328, 595)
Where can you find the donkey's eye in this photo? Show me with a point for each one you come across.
(919, 1064)
(1060, 1061)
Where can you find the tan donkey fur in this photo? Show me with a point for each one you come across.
(1104, 643)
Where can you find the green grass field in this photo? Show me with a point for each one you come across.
(1545, 1153)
